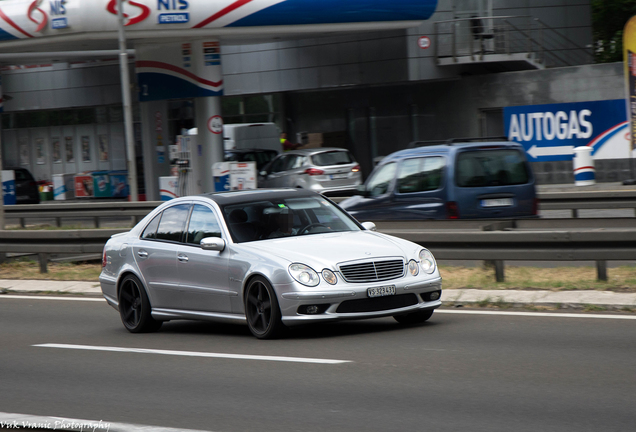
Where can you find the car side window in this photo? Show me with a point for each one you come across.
(294, 162)
(150, 233)
(380, 181)
(278, 165)
(203, 223)
(172, 222)
(420, 174)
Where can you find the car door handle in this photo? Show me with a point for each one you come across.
(142, 254)
(182, 258)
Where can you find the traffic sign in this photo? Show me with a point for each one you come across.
(424, 42)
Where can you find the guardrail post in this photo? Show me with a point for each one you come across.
(96, 221)
(601, 270)
(575, 213)
(22, 223)
(499, 271)
(58, 222)
(44, 262)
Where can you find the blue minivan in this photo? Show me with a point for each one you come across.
(455, 180)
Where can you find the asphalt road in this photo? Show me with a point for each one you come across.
(458, 372)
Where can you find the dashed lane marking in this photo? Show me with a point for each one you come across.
(194, 354)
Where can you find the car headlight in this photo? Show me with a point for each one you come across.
(413, 268)
(427, 261)
(329, 276)
(304, 274)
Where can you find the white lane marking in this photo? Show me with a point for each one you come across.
(195, 354)
(22, 297)
(537, 314)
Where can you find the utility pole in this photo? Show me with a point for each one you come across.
(128, 119)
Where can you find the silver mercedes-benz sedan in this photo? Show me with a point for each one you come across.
(273, 258)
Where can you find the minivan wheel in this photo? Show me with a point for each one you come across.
(134, 307)
(414, 318)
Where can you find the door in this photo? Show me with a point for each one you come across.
(203, 275)
(156, 256)
(419, 190)
(377, 201)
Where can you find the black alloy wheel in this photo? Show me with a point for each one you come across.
(134, 307)
(261, 309)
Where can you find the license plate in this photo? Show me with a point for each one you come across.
(381, 291)
(497, 202)
(337, 176)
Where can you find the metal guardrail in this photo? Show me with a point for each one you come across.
(574, 201)
(498, 241)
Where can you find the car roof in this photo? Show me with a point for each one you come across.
(249, 195)
(250, 150)
(311, 151)
(447, 149)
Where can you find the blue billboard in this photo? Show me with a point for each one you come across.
(551, 132)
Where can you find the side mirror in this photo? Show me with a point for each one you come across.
(362, 190)
(369, 226)
(262, 173)
(213, 244)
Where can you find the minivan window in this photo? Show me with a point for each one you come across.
(420, 174)
(332, 158)
(379, 183)
(172, 223)
(498, 167)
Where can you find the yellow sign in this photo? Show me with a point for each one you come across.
(629, 60)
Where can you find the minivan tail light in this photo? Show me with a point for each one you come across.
(452, 210)
(314, 171)
(535, 206)
(356, 168)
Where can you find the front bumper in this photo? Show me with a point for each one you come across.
(352, 302)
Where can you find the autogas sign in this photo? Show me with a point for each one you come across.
(551, 132)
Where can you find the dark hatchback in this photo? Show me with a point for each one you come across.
(26, 188)
(466, 180)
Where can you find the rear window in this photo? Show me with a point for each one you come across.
(332, 158)
(498, 167)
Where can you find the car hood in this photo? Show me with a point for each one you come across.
(326, 250)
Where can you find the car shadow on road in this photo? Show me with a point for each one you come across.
(299, 332)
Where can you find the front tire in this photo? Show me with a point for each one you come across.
(414, 318)
(261, 309)
(134, 307)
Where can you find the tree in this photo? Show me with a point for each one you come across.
(608, 20)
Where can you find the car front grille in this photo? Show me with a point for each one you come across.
(377, 304)
(372, 271)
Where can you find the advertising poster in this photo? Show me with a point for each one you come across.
(103, 148)
(40, 155)
(24, 152)
(68, 144)
(56, 153)
(86, 149)
(629, 60)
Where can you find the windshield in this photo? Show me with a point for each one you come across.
(269, 219)
(500, 167)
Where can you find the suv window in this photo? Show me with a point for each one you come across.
(379, 183)
(172, 223)
(498, 167)
(420, 174)
(332, 158)
(203, 223)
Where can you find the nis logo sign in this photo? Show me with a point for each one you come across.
(169, 11)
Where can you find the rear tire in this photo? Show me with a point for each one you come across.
(414, 318)
(134, 307)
